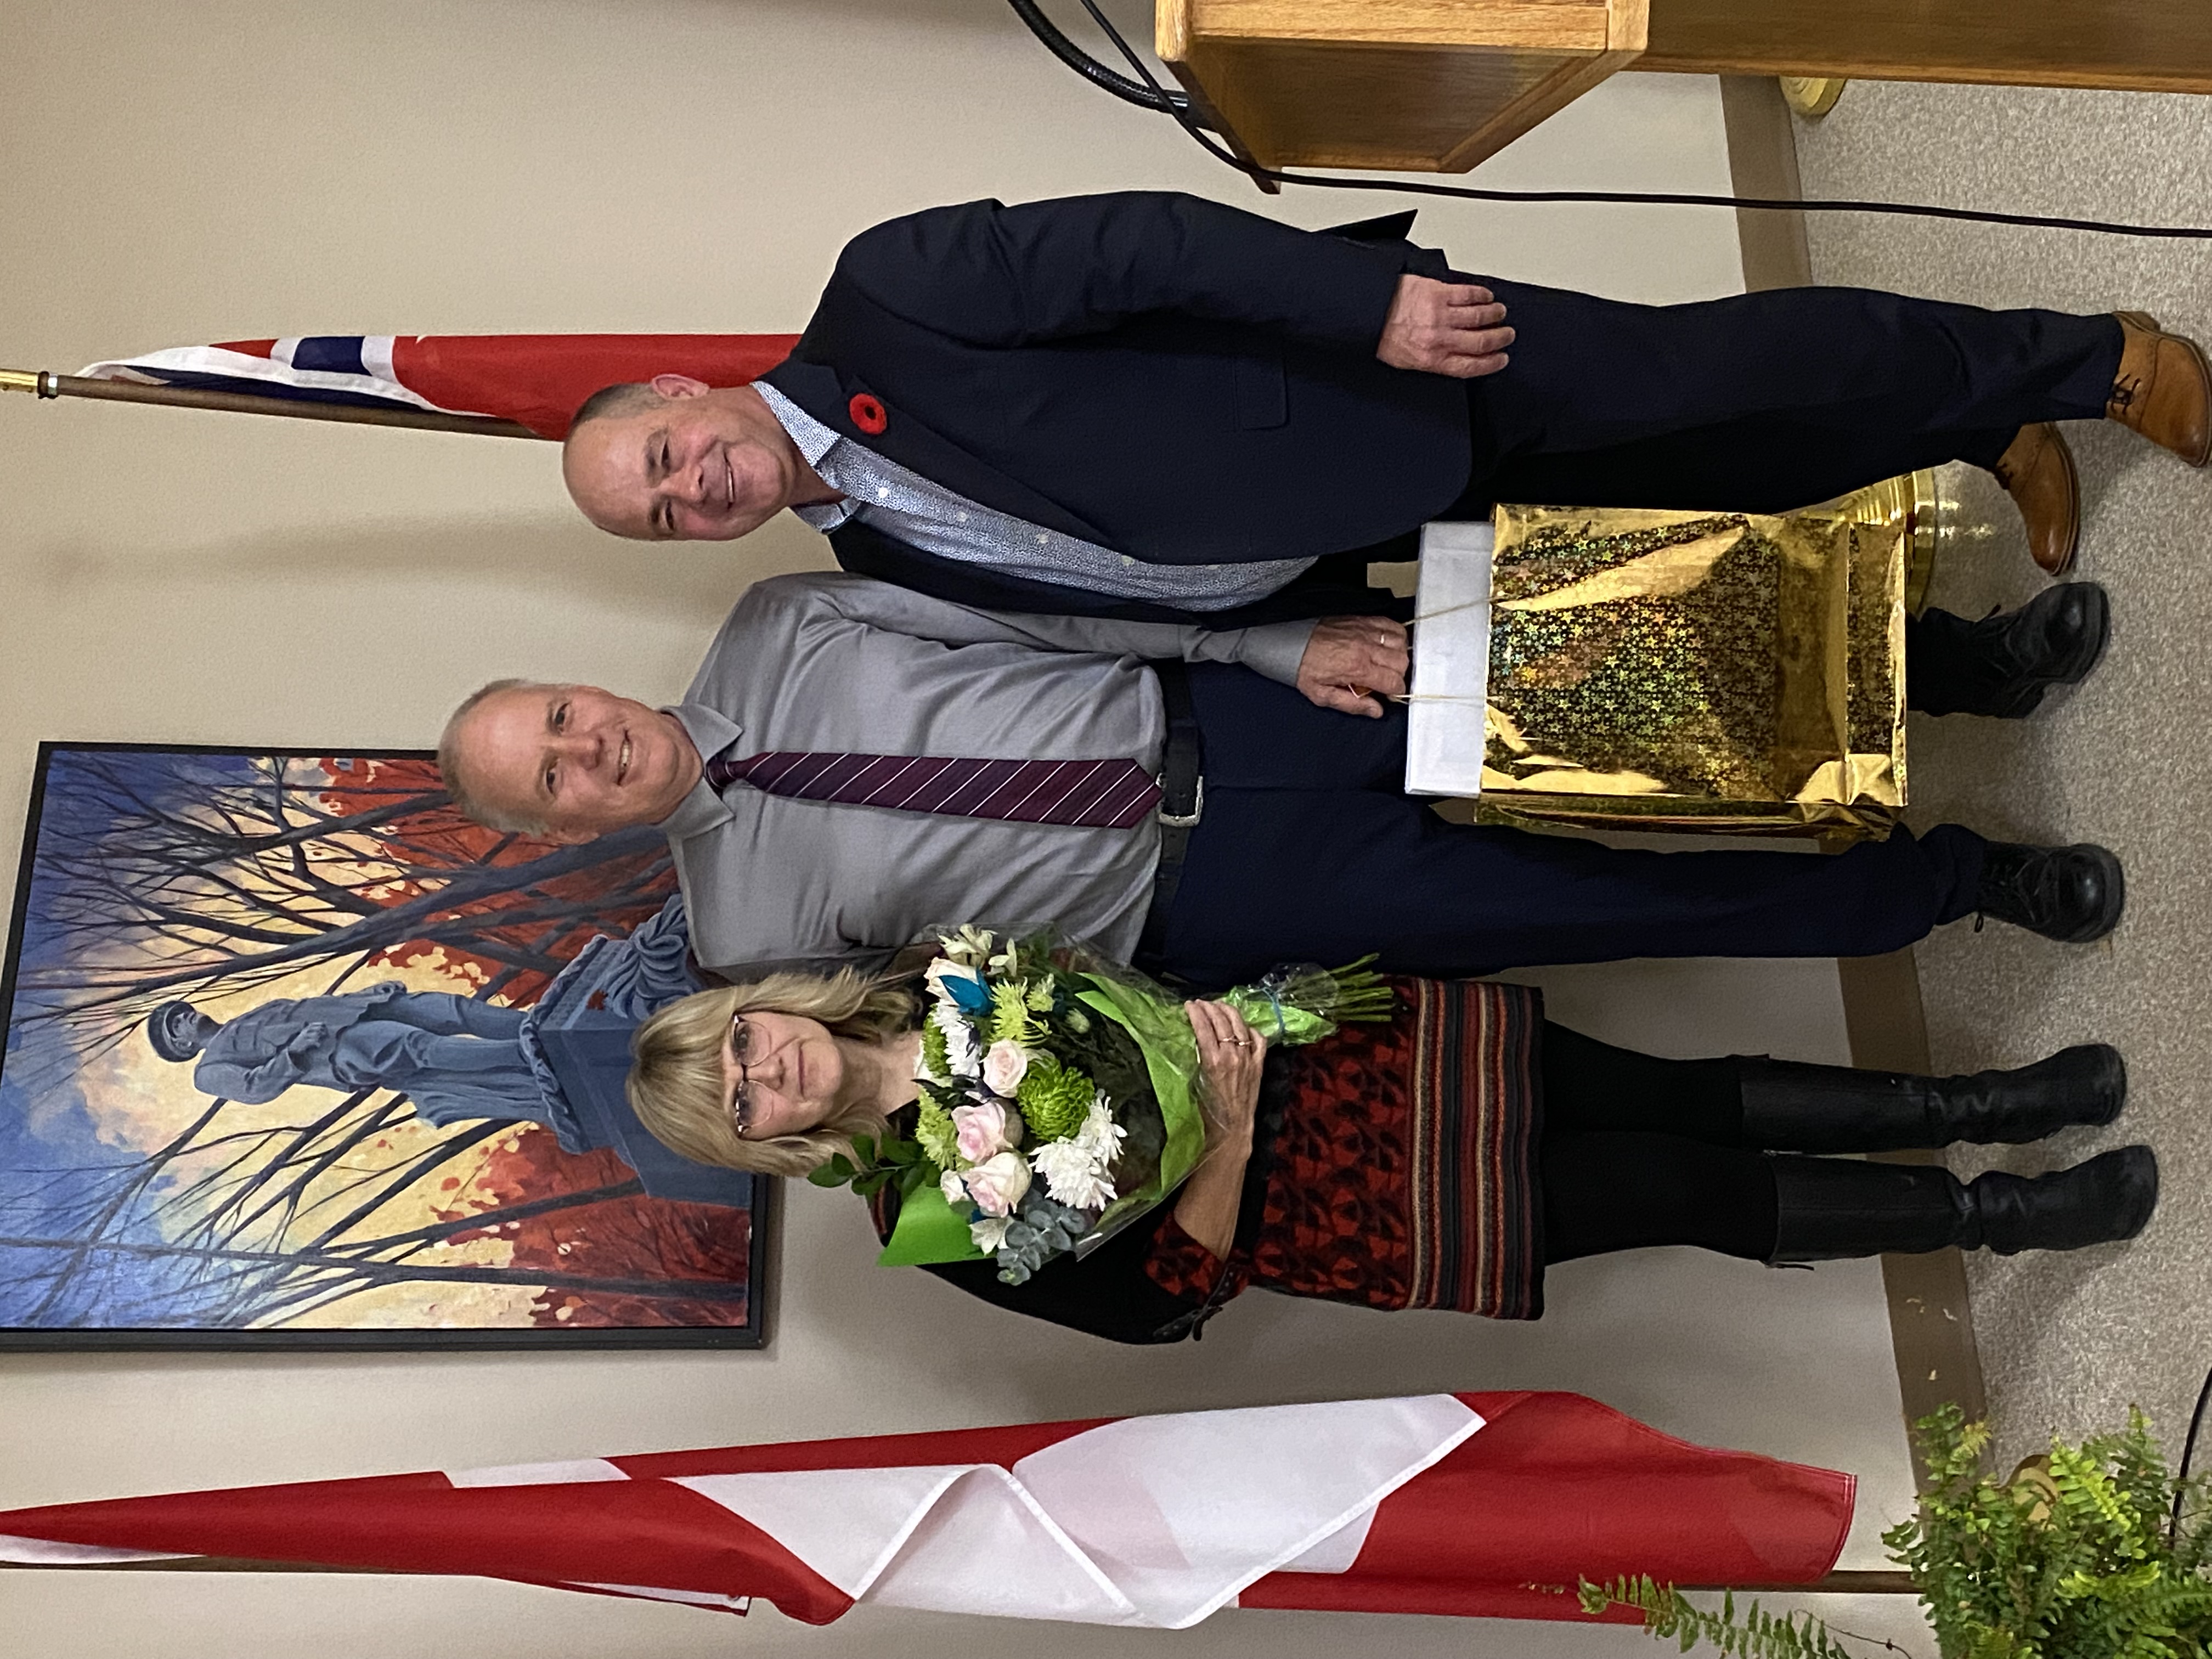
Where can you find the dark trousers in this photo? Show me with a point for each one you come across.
(1639, 1150)
(1763, 402)
(1307, 851)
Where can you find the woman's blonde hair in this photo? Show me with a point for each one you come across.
(676, 1083)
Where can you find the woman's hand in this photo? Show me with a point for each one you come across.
(1230, 1053)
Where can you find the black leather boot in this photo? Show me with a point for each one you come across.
(2109, 1197)
(1791, 1106)
(2072, 894)
(2002, 665)
(1828, 1209)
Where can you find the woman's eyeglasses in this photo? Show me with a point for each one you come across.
(741, 1098)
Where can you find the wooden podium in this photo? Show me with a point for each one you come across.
(1436, 85)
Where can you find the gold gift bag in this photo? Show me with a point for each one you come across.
(1703, 671)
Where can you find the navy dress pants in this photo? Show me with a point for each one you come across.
(1309, 852)
(1763, 402)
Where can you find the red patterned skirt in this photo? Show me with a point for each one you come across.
(1404, 1171)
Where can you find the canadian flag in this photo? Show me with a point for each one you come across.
(1477, 1504)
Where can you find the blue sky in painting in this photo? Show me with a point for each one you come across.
(54, 1165)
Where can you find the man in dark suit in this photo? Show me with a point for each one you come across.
(1155, 407)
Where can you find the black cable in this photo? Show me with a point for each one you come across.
(1178, 106)
(2188, 1453)
(1149, 95)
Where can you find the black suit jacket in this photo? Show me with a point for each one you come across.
(1180, 382)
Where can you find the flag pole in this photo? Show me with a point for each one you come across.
(1848, 1582)
(44, 383)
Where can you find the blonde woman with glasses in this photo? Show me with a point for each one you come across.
(1440, 1160)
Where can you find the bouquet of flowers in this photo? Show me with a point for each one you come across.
(1061, 1097)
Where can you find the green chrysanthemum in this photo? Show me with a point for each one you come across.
(1055, 1098)
(1012, 1020)
(934, 1057)
(934, 1130)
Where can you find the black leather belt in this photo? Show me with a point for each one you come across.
(1183, 802)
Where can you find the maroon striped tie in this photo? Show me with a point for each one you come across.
(1111, 794)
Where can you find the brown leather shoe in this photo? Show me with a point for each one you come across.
(2164, 390)
(2037, 470)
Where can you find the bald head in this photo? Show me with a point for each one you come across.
(673, 459)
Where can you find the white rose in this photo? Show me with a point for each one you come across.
(955, 1189)
(996, 1185)
(1005, 1067)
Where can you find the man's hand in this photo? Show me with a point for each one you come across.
(1445, 328)
(1348, 657)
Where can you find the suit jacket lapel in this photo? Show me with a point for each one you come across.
(826, 393)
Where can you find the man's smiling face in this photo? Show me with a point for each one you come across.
(692, 463)
(582, 762)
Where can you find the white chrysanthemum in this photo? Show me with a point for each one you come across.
(1071, 1175)
(990, 1233)
(962, 1052)
(1100, 1137)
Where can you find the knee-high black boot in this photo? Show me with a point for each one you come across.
(1795, 1108)
(1828, 1209)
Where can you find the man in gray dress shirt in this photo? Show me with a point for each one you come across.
(1305, 848)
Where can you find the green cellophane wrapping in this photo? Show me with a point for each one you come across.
(927, 1229)
(1162, 1034)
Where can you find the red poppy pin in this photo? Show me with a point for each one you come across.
(868, 412)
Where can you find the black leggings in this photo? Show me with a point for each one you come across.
(1639, 1150)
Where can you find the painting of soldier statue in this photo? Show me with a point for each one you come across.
(298, 1057)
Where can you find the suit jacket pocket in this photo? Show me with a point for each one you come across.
(1262, 395)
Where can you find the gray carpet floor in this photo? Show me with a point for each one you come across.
(2070, 1342)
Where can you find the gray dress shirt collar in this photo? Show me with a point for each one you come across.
(702, 810)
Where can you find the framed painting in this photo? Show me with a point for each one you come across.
(297, 1057)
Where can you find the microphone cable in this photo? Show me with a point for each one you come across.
(1146, 91)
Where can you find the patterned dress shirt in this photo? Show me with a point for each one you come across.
(909, 508)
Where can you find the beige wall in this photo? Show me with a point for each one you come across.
(185, 173)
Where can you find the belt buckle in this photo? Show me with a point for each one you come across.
(1178, 820)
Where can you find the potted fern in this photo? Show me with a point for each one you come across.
(2094, 1552)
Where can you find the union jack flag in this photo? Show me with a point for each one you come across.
(536, 379)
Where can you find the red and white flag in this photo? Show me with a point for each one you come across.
(1466, 1504)
(537, 379)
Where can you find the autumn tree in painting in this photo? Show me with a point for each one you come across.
(155, 875)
